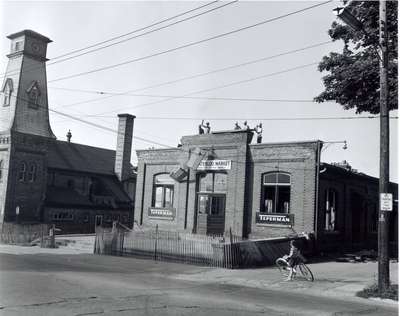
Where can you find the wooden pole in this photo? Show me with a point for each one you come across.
(383, 233)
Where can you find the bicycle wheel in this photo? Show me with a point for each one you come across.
(306, 272)
(283, 266)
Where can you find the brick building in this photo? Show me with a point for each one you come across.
(221, 182)
(45, 180)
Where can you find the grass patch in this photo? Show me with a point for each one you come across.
(372, 291)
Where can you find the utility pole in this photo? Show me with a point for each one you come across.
(385, 199)
(383, 224)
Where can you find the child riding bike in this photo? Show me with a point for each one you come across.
(294, 258)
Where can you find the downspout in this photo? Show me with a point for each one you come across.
(318, 160)
(187, 198)
(143, 188)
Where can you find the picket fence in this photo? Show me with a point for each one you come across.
(162, 245)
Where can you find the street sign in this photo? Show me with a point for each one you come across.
(386, 202)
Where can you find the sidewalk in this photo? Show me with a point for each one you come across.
(332, 279)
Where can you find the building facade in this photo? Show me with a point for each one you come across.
(220, 183)
(45, 180)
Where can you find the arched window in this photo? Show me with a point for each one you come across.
(163, 191)
(32, 172)
(331, 205)
(7, 91)
(275, 195)
(212, 187)
(22, 172)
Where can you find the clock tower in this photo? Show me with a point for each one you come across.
(24, 129)
(24, 106)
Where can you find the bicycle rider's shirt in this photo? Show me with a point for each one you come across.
(294, 255)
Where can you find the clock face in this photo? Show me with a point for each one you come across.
(35, 47)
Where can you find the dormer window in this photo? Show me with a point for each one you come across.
(7, 91)
(33, 95)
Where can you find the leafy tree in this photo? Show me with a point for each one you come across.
(353, 75)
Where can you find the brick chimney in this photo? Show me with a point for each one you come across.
(122, 167)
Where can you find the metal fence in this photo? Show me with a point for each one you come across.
(162, 245)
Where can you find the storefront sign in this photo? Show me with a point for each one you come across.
(279, 219)
(386, 201)
(214, 165)
(162, 213)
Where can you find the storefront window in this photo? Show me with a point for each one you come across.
(163, 191)
(212, 193)
(330, 209)
(275, 193)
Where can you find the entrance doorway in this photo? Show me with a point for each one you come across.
(212, 206)
(211, 200)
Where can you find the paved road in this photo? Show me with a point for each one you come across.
(47, 284)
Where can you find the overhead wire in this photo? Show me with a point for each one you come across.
(314, 118)
(192, 76)
(189, 44)
(214, 88)
(55, 61)
(135, 137)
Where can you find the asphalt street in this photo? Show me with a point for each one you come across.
(48, 284)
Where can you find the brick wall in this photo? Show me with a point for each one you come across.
(297, 159)
(27, 195)
(224, 146)
(248, 164)
(357, 205)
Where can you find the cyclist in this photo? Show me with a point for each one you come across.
(294, 258)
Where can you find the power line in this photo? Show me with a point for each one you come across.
(138, 30)
(135, 137)
(255, 118)
(146, 33)
(216, 88)
(189, 44)
(196, 75)
(88, 122)
(187, 97)
(132, 32)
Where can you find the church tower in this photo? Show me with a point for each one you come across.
(24, 129)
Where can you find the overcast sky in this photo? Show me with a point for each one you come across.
(75, 25)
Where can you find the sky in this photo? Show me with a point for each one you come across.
(266, 88)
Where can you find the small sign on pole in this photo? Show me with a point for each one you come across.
(386, 201)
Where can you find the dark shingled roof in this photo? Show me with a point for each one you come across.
(83, 158)
(64, 197)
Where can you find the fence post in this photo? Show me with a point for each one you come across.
(155, 243)
(52, 236)
(231, 248)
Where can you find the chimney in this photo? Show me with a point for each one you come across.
(122, 166)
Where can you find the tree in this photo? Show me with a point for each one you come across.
(353, 75)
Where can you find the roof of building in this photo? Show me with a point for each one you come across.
(81, 158)
(30, 33)
(112, 196)
(346, 169)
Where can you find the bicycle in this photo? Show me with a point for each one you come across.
(299, 266)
